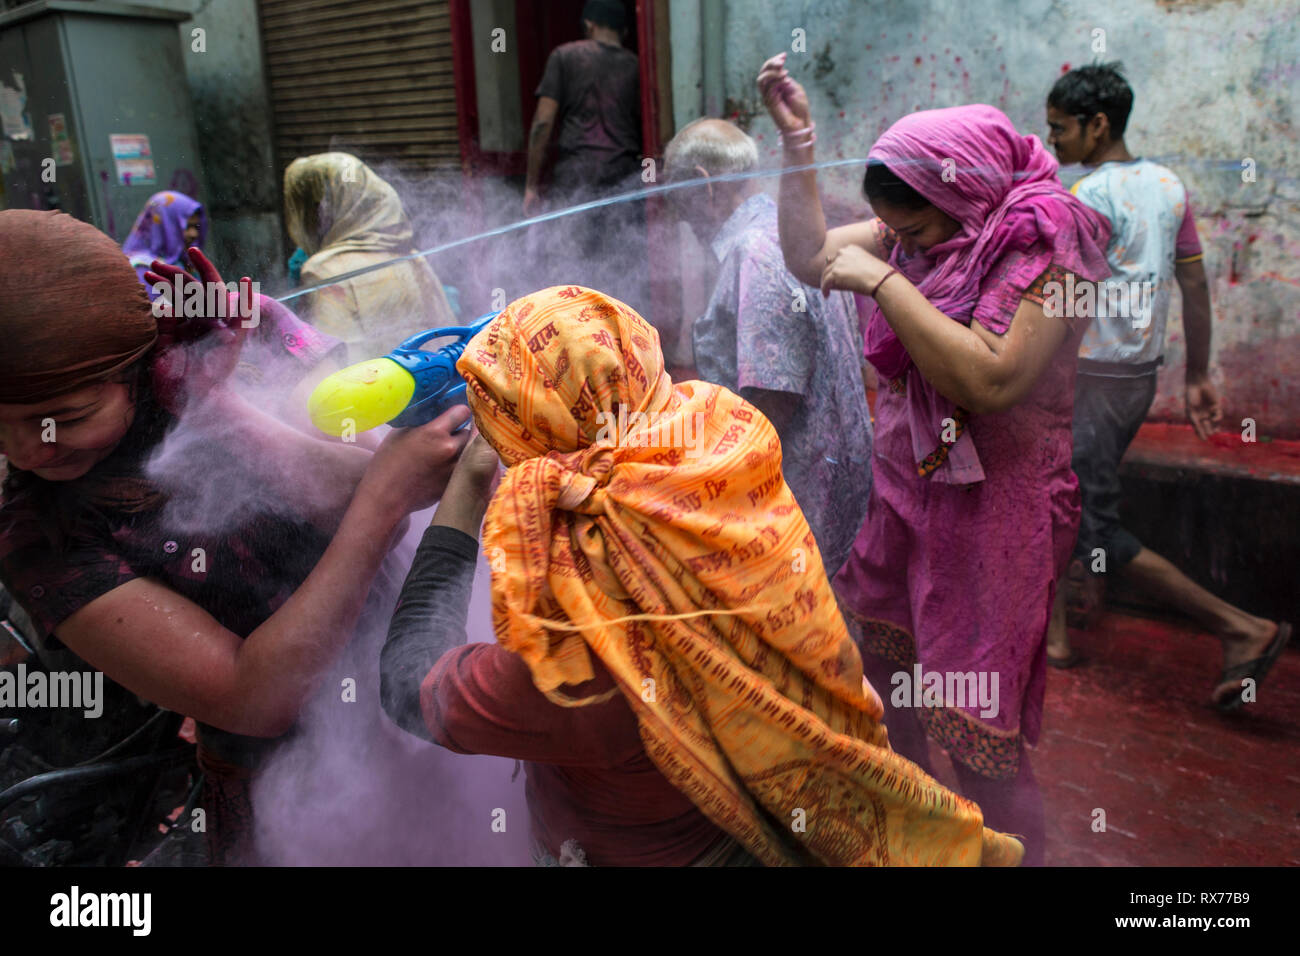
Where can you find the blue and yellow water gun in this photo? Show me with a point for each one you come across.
(406, 387)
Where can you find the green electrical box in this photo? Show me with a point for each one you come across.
(96, 110)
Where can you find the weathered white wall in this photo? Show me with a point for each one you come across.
(1214, 84)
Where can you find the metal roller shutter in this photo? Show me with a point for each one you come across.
(371, 77)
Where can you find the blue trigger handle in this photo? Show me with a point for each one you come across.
(438, 386)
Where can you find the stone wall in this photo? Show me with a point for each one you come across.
(1214, 84)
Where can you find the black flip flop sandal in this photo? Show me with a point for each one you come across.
(1257, 669)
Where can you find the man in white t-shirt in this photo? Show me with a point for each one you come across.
(1153, 245)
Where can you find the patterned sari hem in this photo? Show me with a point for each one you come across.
(989, 751)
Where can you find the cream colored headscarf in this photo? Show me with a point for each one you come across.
(345, 218)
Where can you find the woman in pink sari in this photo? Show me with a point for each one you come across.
(974, 507)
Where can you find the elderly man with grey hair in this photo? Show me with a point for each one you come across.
(774, 341)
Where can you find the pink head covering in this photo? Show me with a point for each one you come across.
(1016, 220)
(970, 162)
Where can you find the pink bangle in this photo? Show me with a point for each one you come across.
(888, 275)
(800, 138)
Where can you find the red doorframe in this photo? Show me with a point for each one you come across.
(462, 67)
(664, 308)
(645, 31)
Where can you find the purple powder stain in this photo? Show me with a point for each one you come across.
(350, 788)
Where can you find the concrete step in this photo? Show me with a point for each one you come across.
(1226, 512)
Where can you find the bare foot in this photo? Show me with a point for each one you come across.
(1058, 638)
(1240, 651)
(1058, 646)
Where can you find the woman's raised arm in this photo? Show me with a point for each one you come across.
(805, 242)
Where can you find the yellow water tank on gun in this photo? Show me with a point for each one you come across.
(361, 397)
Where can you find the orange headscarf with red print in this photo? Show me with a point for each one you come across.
(648, 524)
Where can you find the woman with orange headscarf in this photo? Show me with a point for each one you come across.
(671, 662)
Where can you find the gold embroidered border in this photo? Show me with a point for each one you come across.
(989, 751)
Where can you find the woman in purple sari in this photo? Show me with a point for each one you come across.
(169, 224)
(974, 507)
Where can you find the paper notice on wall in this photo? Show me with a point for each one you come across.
(60, 144)
(13, 109)
(133, 159)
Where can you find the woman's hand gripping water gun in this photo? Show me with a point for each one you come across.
(405, 388)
